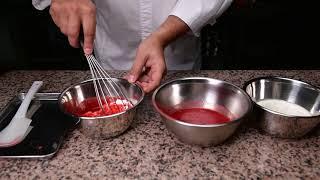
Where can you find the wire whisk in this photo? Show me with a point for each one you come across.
(109, 94)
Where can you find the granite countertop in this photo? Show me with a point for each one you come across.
(148, 150)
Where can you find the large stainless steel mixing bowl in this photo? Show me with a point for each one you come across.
(280, 124)
(105, 126)
(203, 93)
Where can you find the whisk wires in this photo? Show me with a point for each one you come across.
(106, 89)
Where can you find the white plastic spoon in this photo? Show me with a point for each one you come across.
(19, 126)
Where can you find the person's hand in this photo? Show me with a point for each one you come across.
(73, 15)
(149, 65)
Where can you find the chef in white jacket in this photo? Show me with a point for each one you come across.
(146, 37)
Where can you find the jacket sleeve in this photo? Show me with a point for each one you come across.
(198, 13)
(41, 4)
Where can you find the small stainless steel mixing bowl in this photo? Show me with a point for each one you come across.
(105, 126)
(279, 124)
(204, 93)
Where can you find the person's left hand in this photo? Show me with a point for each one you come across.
(149, 65)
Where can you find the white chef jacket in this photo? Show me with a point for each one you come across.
(123, 24)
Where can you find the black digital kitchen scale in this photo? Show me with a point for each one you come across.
(50, 126)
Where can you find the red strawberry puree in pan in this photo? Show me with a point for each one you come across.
(198, 115)
(90, 107)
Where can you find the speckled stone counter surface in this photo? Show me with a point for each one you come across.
(148, 150)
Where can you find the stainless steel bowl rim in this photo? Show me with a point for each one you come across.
(99, 117)
(200, 125)
(284, 79)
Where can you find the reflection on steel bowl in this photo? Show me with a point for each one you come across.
(102, 127)
(284, 107)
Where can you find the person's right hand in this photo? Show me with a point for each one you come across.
(72, 15)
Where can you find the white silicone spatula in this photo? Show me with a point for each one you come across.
(19, 126)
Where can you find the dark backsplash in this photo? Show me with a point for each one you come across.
(34, 42)
(265, 35)
(259, 35)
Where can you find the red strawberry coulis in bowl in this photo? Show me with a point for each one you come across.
(201, 111)
(113, 119)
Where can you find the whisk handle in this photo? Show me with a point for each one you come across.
(81, 43)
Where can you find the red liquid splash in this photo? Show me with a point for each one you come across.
(200, 116)
(90, 107)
